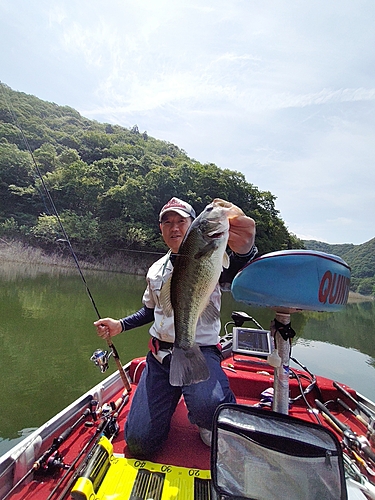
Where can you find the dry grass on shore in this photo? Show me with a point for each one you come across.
(16, 251)
(357, 297)
(130, 263)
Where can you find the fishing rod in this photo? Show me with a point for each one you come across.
(57, 442)
(67, 240)
(351, 440)
(108, 421)
(356, 415)
(98, 432)
(104, 411)
(361, 407)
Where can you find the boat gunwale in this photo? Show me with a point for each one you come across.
(104, 390)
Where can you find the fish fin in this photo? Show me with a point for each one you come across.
(226, 260)
(210, 313)
(188, 366)
(165, 298)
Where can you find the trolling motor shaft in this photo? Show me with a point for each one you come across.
(101, 359)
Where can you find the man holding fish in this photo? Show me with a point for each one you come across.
(182, 300)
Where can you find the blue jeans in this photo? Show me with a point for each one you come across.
(155, 401)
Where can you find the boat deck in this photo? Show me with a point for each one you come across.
(182, 468)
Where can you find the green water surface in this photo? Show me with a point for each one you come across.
(47, 338)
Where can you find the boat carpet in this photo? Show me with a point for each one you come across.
(183, 448)
(109, 476)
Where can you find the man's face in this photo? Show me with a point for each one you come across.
(173, 229)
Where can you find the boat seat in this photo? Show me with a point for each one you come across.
(259, 454)
(290, 281)
(136, 368)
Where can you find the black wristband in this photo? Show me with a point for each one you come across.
(249, 255)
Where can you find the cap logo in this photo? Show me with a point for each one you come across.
(174, 203)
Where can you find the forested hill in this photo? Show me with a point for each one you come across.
(107, 182)
(361, 259)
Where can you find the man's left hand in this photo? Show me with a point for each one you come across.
(241, 234)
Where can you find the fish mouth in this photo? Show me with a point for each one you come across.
(216, 236)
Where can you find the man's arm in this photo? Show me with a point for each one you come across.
(237, 262)
(109, 327)
(241, 234)
(142, 317)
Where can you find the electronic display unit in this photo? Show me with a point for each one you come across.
(251, 341)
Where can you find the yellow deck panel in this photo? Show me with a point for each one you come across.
(131, 479)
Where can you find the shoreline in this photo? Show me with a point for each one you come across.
(135, 262)
(127, 262)
(357, 297)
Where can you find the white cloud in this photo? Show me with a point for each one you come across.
(57, 14)
(282, 91)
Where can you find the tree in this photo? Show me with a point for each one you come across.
(46, 157)
(16, 171)
(110, 177)
(81, 230)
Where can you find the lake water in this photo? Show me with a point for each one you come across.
(47, 338)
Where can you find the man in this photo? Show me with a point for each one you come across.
(155, 399)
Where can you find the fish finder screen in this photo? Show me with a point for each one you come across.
(251, 341)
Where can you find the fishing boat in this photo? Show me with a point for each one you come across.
(291, 435)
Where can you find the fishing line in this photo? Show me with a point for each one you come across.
(66, 237)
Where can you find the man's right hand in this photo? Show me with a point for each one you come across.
(108, 327)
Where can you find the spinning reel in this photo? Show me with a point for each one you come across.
(100, 358)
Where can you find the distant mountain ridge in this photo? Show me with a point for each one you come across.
(360, 258)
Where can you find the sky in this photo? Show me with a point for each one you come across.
(282, 91)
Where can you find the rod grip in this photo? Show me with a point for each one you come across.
(368, 451)
(120, 368)
(347, 408)
(336, 421)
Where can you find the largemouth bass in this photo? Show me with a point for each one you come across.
(196, 271)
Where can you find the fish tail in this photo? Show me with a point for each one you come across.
(188, 366)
